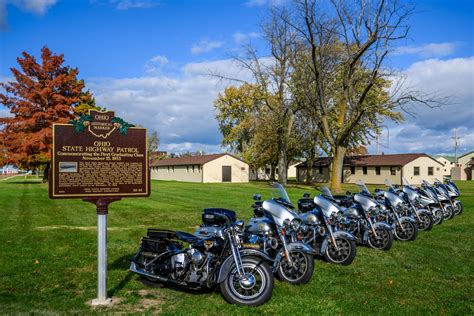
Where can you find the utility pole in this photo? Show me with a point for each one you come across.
(456, 145)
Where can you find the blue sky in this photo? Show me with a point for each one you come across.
(147, 59)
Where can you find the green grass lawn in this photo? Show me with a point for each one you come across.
(48, 258)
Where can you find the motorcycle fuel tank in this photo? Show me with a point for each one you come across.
(259, 226)
(278, 212)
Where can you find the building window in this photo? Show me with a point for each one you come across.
(393, 171)
(430, 171)
(353, 170)
(437, 169)
(320, 170)
(364, 170)
(377, 171)
(416, 171)
(172, 169)
(168, 169)
(199, 168)
(187, 169)
(267, 171)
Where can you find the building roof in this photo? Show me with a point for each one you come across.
(448, 158)
(371, 160)
(468, 153)
(189, 160)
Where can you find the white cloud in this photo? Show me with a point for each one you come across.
(134, 4)
(156, 64)
(240, 38)
(38, 7)
(431, 129)
(428, 50)
(179, 107)
(205, 46)
(259, 3)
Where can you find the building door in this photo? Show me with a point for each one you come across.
(226, 174)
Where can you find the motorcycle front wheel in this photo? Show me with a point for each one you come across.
(254, 288)
(426, 221)
(407, 231)
(458, 208)
(448, 212)
(344, 254)
(438, 216)
(299, 271)
(383, 240)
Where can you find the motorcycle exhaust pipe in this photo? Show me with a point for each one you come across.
(135, 269)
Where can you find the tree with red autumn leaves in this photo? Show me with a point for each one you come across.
(40, 95)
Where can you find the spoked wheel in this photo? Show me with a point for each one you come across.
(299, 271)
(458, 207)
(438, 216)
(426, 221)
(448, 212)
(254, 288)
(344, 254)
(407, 232)
(383, 240)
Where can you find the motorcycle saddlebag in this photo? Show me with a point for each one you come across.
(217, 216)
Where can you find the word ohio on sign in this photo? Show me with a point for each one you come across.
(99, 155)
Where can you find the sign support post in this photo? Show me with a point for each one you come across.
(102, 207)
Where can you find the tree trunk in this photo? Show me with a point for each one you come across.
(282, 165)
(46, 172)
(272, 172)
(337, 168)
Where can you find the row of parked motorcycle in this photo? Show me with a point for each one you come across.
(282, 240)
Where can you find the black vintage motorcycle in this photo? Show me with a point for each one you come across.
(182, 259)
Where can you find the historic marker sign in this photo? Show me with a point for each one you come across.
(99, 155)
(99, 158)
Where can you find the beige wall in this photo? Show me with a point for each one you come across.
(447, 166)
(371, 177)
(316, 176)
(466, 171)
(423, 163)
(177, 173)
(212, 171)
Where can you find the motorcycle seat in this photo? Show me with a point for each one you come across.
(187, 237)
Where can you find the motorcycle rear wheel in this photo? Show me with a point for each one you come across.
(383, 241)
(235, 291)
(301, 271)
(345, 253)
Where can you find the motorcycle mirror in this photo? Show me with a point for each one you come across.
(306, 195)
(348, 193)
(257, 197)
(377, 190)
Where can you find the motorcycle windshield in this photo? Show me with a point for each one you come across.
(278, 192)
(405, 181)
(362, 188)
(326, 192)
(389, 185)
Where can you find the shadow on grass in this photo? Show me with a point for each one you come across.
(24, 182)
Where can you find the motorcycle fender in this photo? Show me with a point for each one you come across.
(383, 226)
(338, 233)
(300, 247)
(424, 211)
(406, 218)
(229, 261)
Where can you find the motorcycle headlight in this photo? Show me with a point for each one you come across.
(286, 223)
(311, 219)
(295, 224)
